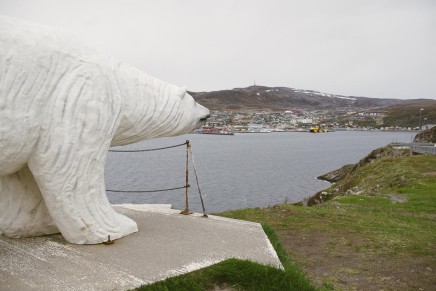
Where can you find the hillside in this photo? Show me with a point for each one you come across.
(283, 98)
(408, 113)
(345, 178)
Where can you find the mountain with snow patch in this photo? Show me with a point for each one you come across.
(256, 98)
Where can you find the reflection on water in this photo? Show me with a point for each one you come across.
(245, 170)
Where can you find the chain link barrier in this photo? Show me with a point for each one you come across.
(148, 191)
(186, 186)
(149, 150)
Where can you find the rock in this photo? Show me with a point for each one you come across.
(426, 136)
(336, 175)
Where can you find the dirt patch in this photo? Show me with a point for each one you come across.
(395, 198)
(221, 287)
(336, 258)
(430, 174)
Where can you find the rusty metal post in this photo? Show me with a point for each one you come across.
(186, 211)
(198, 183)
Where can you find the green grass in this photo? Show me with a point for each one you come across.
(241, 275)
(387, 175)
(389, 227)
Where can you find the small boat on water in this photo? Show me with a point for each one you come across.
(318, 129)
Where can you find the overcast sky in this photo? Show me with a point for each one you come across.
(373, 48)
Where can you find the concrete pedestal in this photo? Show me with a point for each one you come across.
(167, 244)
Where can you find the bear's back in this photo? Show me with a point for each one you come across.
(33, 60)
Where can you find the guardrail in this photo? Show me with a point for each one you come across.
(400, 145)
(427, 149)
(421, 148)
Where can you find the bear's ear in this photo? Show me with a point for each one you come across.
(181, 92)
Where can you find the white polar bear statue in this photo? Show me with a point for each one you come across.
(62, 105)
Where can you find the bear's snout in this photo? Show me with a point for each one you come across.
(203, 121)
(204, 118)
(202, 113)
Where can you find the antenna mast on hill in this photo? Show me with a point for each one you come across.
(254, 81)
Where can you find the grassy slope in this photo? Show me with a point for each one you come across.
(365, 242)
(353, 242)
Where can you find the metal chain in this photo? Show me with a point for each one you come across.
(148, 150)
(188, 151)
(148, 191)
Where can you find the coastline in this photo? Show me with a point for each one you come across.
(372, 232)
(338, 178)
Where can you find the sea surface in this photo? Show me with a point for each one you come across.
(240, 171)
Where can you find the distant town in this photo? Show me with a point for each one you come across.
(298, 120)
(276, 109)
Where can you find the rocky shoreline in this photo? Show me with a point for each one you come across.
(341, 178)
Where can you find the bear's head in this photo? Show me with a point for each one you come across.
(153, 108)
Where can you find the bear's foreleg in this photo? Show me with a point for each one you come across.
(71, 179)
(69, 157)
(23, 212)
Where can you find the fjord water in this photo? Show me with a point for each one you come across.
(240, 171)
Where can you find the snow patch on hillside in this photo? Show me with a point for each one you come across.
(323, 94)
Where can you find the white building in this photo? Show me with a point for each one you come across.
(428, 126)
